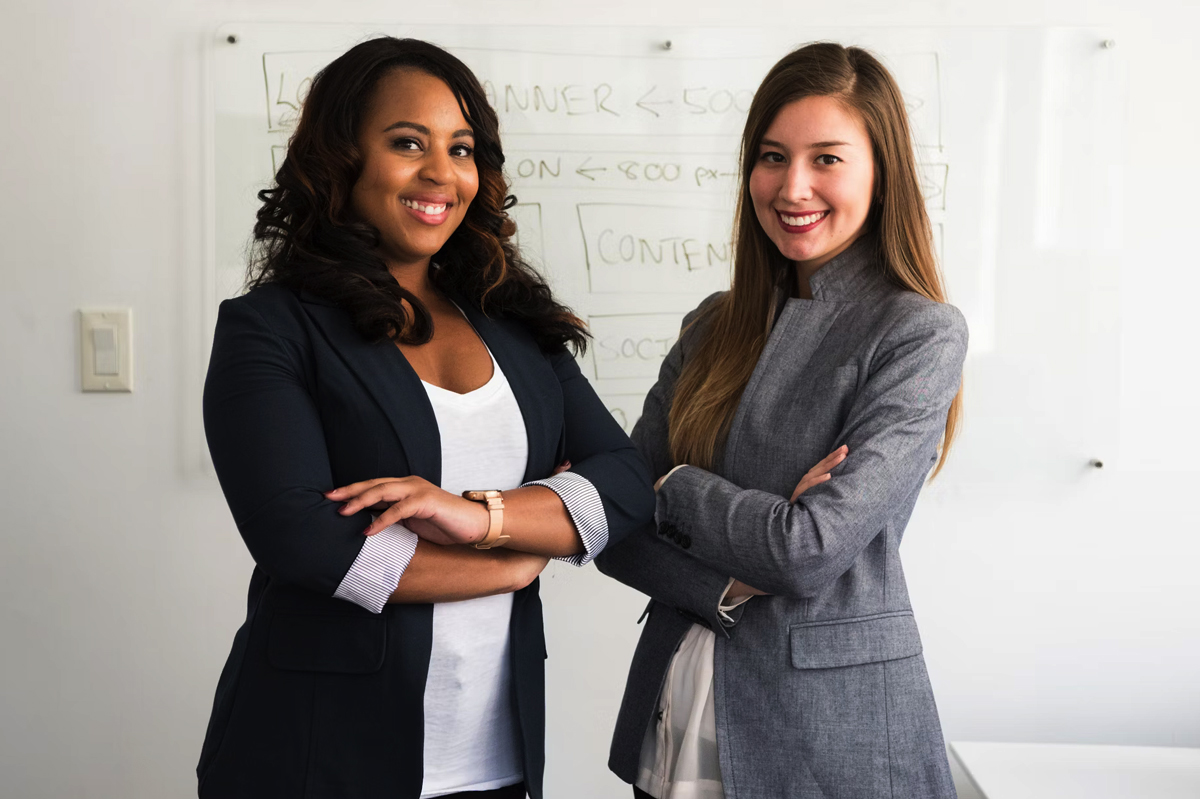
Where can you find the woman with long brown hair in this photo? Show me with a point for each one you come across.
(781, 656)
(395, 356)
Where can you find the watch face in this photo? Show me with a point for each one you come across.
(479, 496)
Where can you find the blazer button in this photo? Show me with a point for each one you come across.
(687, 542)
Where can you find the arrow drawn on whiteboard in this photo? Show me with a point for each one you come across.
(645, 104)
(579, 170)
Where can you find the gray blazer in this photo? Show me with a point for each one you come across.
(821, 690)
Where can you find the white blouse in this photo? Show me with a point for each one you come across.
(468, 696)
(468, 693)
(679, 758)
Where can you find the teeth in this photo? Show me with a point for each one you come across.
(800, 221)
(432, 210)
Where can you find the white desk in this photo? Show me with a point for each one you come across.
(1069, 771)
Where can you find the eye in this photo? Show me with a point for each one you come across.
(406, 143)
(462, 150)
(771, 157)
(828, 160)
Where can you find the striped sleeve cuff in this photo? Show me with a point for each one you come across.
(377, 570)
(583, 504)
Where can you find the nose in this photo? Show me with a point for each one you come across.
(797, 183)
(437, 166)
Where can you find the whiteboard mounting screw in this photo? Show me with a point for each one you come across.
(1096, 463)
(231, 38)
(1108, 44)
(667, 44)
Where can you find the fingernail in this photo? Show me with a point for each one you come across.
(367, 531)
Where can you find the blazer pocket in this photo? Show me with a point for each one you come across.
(337, 644)
(852, 642)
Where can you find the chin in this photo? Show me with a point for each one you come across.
(800, 254)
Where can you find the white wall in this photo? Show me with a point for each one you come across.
(121, 574)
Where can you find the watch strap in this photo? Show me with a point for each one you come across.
(494, 500)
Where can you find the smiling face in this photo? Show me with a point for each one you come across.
(812, 181)
(418, 167)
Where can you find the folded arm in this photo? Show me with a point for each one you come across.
(571, 515)
(892, 433)
(268, 448)
(648, 560)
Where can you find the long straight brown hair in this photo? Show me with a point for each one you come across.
(737, 324)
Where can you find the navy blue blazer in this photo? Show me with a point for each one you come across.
(320, 697)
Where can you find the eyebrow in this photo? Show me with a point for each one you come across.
(814, 146)
(425, 131)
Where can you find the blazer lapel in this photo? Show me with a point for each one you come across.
(532, 381)
(391, 382)
(799, 329)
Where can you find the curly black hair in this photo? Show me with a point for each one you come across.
(307, 238)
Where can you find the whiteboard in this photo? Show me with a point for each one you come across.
(622, 152)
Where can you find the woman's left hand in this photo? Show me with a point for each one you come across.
(430, 512)
(820, 472)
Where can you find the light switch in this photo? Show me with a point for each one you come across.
(106, 351)
(105, 358)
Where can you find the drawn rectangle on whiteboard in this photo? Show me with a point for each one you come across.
(631, 345)
(651, 249)
(591, 93)
(625, 408)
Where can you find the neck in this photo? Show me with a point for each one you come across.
(414, 277)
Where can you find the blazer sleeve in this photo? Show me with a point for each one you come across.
(645, 560)
(893, 430)
(601, 454)
(268, 447)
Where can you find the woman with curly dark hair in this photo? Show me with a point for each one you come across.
(404, 439)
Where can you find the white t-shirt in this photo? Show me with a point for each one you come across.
(472, 738)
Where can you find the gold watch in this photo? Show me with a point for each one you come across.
(495, 505)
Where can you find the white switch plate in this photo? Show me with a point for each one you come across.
(106, 350)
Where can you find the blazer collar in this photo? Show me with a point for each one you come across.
(391, 382)
(854, 274)
(396, 388)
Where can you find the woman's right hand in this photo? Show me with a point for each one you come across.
(426, 509)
